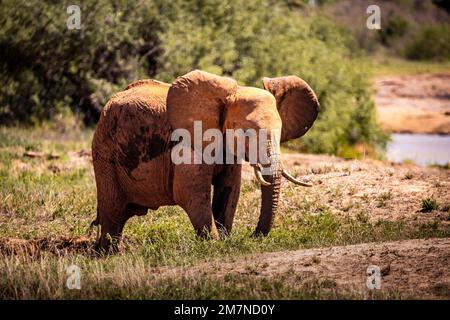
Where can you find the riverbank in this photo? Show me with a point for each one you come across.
(417, 103)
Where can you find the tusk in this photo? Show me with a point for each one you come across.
(294, 180)
(259, 176)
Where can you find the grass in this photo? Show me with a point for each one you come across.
(386, 66)
(409, 175)
(144, 283)
(429, 204)
(383, 199)
(53, 209)
(441, 166)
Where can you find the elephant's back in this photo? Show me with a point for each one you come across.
(143, 95)
(134, 126)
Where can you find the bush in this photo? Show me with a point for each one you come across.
(247, 40)
(46, 68)
(444, 4)
(432, 43)
(395, 28)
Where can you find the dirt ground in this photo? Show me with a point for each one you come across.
(414, 103)
(414, 268)
(384, 190)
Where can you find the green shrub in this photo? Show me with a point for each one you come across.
(429, 204)
(48, 68)
(45, 67)
(444, 4)
(432, 43)
(247, 40)
(395, 28)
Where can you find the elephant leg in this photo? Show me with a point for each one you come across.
(227, 186)
(111, 206)
(200, 215)
(192, 191)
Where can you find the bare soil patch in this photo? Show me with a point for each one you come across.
(33, 248)
(409, 269)
(381, 189)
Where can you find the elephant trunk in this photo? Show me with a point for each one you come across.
(270, 195)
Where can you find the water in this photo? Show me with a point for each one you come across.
(422, 149)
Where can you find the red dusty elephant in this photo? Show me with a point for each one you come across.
(132, 148)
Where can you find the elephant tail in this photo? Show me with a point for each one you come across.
(95, 223)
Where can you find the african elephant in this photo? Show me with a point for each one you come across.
(132, 146)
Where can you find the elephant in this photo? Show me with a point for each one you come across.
(132, 146)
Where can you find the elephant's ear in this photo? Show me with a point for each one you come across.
(198, 96)
(297, 105)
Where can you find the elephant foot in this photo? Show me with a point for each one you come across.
(223, 233)
(208, 232)
(110, 246)
(259, 234)
(109, 240)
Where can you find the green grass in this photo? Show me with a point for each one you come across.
(429, 204)
(48, 206)
(386, 66)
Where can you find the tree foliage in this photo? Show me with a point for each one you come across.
(47, 69)
(432, 43)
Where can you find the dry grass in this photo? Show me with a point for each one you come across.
(47, 204)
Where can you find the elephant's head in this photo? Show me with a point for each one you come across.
(287, 107)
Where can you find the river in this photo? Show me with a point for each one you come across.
(422, 149)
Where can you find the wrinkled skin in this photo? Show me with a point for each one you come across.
(132, 149)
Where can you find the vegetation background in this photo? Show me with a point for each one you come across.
(49, 72)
